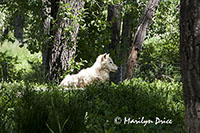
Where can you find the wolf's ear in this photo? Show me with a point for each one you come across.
(108, 54)
(103, 57)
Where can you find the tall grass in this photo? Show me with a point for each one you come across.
(91, 110)
(25, 107)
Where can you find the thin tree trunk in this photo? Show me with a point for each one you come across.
(125, 43)
(190, 62)
(114, 15)
(140, 36)
(46, 10)
(60, 50)
(18, 26)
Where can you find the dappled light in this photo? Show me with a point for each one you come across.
(90, 66)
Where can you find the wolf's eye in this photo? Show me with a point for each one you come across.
(110, 62)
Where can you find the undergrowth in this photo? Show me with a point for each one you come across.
(29, 107)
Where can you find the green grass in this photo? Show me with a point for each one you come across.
(23, 109)
(22, 54)
(92, 110)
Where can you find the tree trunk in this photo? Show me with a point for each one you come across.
(114, 15)
(140, 36)
(190, 62)
(126, 41)
(46, 10)
(18, 26)
(61, 49)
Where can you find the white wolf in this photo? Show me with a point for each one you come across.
(99, 71)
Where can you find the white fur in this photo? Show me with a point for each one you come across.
(99, 71)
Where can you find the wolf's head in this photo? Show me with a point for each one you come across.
(107, 63)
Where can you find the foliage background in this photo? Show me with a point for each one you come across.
(29, 103)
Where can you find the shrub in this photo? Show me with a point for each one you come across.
(159, 60)
(35, 74)
(92, 110)
(9, 93)
(8, 71)
(135, 99)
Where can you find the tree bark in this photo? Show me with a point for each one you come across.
(18, 26)
(114, 16)
(61, 49)
(140, 36)
(46, 10)
(190, 62)
(126, 41)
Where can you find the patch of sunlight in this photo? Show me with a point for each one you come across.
(22, 54)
